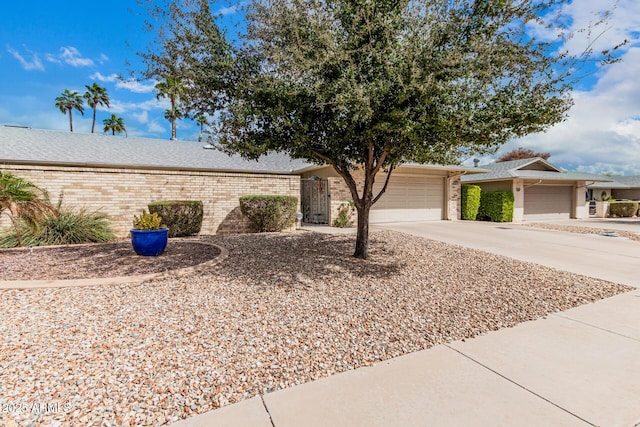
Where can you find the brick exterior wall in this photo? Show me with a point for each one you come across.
(123, 193)
(340, 194)
(455, 196)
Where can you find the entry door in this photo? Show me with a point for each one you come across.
(315, 201)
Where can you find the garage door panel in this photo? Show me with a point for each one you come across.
(548, 202)
(409, 198)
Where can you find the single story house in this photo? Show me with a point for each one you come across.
(541, 190)
(620, 187)
(121, 175)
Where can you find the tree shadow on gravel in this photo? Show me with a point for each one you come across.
(99, 260)
(303, 258)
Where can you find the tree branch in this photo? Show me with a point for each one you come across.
(384, 187)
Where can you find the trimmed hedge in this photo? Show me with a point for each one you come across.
(470, 201)
(269, 212)
(623, 209)
(496, 206)
(182, 217)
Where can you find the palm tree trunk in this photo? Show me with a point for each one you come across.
(70, 120)
(93, 125)
(173, 118)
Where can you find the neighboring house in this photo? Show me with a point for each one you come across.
(541, 190)
(122, 175)
(620, 188)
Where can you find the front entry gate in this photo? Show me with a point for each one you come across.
(315, 201)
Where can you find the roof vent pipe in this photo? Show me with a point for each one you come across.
(476, 162)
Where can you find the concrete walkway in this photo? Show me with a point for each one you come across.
(580, 367)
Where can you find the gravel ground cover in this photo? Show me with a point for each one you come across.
(99, 260)
(584, 230)
(282, 309)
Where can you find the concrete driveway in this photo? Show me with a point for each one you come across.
(615, 259)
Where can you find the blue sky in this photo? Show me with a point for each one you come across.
(48, 47)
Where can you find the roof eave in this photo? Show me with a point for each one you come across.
(144, 167)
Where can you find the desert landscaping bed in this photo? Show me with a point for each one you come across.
(282, 309)
(99, 260)
(584, 230)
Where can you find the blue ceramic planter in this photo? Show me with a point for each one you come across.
(149, 242)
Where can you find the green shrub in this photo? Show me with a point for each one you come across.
(623, 209)
(470, 199)
(496, 206)
(269, 212)
(147, 221)
(183, 217)
(345, 215)
(64, 228)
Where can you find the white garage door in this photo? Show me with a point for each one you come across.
(547, 202)
(409, 198)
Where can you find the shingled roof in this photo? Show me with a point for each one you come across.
(619, 182)
(20, 145)
(533, 168)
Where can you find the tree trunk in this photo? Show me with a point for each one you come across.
(93, 125)
(362, 238)
(173, 119)
(70, 121)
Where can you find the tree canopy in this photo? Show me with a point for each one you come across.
(189, 47)
(67, 102)
(366, 86)
(96, 95)
(522, 153)
(114, 124)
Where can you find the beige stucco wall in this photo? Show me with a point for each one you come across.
(123, 193)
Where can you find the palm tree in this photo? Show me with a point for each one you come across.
(20, 198)
(96, 95)
(202, 121)
(114, 124)
(173, 89)
(67, 102)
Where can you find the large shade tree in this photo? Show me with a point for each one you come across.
(191, 49)
(96, 95)
(365, 86)
(522, 153)
(69, 101)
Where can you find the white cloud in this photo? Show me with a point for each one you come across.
(225, 11)
(155, 127)
(51, 58)
(136, 86)
(622, 23)
(73, 57)
(103, 58)
(602, 133)
(120, 107)
(98, 76)
(142, 117)
(33, 64)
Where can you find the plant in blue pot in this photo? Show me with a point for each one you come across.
(148, 236)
